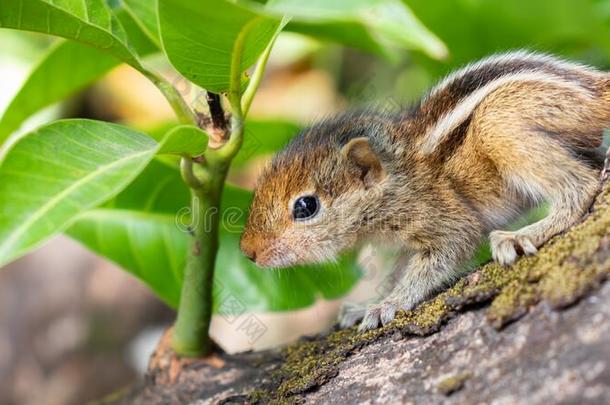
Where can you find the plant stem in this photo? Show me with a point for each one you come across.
(257, 75)
(191, 331)
(173, 97)
(190, 336)
(188, 176)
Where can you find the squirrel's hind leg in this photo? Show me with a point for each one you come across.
(567, 184)
(539, 136)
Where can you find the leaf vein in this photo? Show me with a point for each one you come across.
(8, 243)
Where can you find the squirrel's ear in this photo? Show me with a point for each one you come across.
(358, 153)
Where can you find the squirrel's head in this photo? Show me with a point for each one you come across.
(317, 196)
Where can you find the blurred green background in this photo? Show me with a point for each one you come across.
(73, 327)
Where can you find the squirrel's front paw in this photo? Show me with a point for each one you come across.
(350, 314)
(383, 312)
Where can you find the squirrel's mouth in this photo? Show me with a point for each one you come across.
(284, 251)
(274, 258)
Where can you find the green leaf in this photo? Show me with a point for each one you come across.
(90, 22)
(54, 173)
(144, 244)
(144, 13)
(138, 230)
(148, 237)
(184, 140)
(137, 36)
(49, 82)
(381, 26)
(210, 40)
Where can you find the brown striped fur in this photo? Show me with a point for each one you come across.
(486, 144)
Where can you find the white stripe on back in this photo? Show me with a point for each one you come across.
(451, 120)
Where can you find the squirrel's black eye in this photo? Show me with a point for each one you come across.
(305, 207)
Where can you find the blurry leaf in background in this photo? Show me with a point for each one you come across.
(184, 140)
(54, 78)
(54, 173)
(24, 46)
(203, 39)
(291, 47)
(126, 95)
(473, 29)
(384, 27)
(149, 237)
(66, 68)
(89, 22)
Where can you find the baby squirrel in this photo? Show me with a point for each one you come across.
(486, 144)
